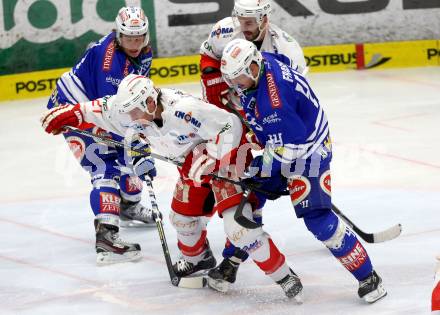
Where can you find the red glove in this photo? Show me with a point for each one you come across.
(214, 88)
(64, 115)
(197, 165)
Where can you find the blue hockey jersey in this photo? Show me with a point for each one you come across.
(287, 119)
(98, 73)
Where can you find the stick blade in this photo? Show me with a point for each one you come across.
(388, 234)
(196, 282)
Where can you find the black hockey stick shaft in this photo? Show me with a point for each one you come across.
(166, 252)
(188, 282)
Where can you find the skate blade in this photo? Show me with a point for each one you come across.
(109, 258)
(299, 298)
(135, 224)
(218, 285)
(375, 295)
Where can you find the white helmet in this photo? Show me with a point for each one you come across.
(252, 8)
(237, 58)
(132, 21)
(133, 93)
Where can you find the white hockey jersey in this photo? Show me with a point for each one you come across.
(275, 41)
(187, 122)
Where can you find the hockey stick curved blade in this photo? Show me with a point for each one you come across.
(379, 237)
(196, 282)
(389, 234)
(240, 218)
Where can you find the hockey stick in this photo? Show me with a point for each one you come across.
(378, 237)
(111, 142)
(182, 282)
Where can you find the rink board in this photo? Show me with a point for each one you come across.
(184, 69)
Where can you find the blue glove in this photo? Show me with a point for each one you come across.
(276, 183)
(144, 166)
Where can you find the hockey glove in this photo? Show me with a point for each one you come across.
(214, 88)
(56, 118)
(274, 184)
(144, 166)
(197, 165)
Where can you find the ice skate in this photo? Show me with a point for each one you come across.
(111, 249)
(371, 289)
(185, 268)
(292, 287)
(134, 214)
(223, 275)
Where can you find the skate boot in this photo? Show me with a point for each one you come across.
(292, 286)
(184, 268)
(223, 275)
(133, 214)
(371, 289)
(110, 248)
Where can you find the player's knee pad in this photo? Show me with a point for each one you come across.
(322, 223)
(336, 241)
(239, 235)
(187, 225)
(104, 197)
(130, 187)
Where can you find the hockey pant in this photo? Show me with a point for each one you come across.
(104, 166)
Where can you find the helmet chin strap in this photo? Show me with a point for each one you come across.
(261, 33)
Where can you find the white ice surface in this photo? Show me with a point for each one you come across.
(386, 167)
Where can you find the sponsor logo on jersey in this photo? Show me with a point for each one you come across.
(326, 182)
(285, 71)
(77, 146)
(299, 188)
(252, 121)
(222, 31)
(109, 203)
(355, 258)
(271, 119)
(274, 96)
(187, 117)
(207, 46)
(183, 139)
(133, 184)
(108, 57)
(214, 81)
(113, 81)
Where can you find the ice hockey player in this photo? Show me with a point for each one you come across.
(205, 139)
(290, 124)
(98, 73)
(249, 20)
